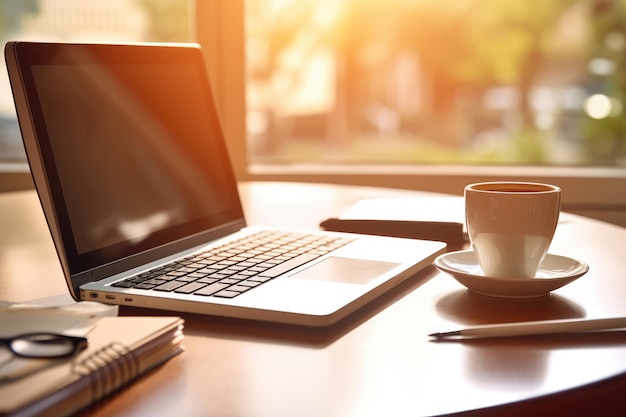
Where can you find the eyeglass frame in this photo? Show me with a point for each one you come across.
(78, 343)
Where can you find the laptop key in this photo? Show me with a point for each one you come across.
(249, 283)
(258, 278)
(212, 289)
(238, 288)
(169, 286)
(124, 284)
(229, 281)
(190, 288)
(207, 280)
(144, 286)
(154, 282)
(226, 294)
(187, 278)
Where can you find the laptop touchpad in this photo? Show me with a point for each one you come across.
(352, 271)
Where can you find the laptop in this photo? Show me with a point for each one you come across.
(132, 171)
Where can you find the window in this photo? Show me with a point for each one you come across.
(82, 21)
(426, 81)
(416, 105)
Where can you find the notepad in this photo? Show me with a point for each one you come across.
(428, 217)
(120, 350)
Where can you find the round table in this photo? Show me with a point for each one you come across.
(378, 361)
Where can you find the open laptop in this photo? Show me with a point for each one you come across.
(132, 171)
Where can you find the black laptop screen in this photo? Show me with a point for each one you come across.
(132, 148)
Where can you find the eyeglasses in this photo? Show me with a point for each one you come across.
(44, 345)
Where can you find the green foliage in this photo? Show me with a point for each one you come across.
(463, 45)
(605, 139)
(169, 20)
(12, 12)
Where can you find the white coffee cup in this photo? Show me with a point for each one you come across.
(511, 225)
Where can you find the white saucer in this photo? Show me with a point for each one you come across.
(554, 272)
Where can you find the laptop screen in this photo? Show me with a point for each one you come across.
(131, 147)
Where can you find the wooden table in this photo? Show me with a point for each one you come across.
(379, 361)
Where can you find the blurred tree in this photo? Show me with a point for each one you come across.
(460, 46)
(11, 13)
(515, 43)
(480, 43)
(170, 20)
(605, 138)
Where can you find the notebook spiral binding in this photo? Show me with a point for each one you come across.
(108, 369)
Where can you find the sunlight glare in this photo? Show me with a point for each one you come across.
(278, 5)
(598, 106)
(326, 15)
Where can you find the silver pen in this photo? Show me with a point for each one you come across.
(535, 328)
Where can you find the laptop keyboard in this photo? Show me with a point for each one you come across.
(236, 267)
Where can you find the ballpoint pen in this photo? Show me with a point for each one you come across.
(535, 328)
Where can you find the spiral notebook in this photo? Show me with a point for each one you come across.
(120, 350)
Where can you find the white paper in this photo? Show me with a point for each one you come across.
(432, 209)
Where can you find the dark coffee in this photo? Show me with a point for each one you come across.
(513, 188)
